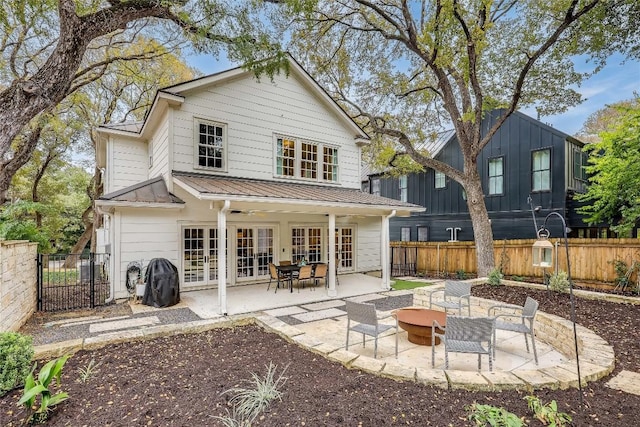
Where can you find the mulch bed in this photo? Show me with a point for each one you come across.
(180, 380)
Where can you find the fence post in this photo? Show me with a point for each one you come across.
(39, 275)
(92, 280)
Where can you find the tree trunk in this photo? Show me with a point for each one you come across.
(483, 234)
(87, 221)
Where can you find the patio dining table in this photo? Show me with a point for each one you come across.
(288, 270)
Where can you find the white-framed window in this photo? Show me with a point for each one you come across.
(541, 170)
(439, 180)
(423, 234)
(496, 175)
(330, 164)
(211, 144)
(308, 160)
(375, 186)
(405, 234)
(403, 188)
(306, 242)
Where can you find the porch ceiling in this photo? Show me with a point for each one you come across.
(289, 197)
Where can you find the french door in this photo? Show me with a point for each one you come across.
(344, 248)
(199, 255)
(306, 242)
(254, 252)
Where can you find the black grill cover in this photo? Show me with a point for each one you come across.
(162, 284)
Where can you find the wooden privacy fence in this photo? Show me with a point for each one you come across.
(591, 259)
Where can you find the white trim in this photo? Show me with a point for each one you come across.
(116, 204)
(197, 120)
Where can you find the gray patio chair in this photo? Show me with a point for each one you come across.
(456, 295)
(465, 335)
(367, 318)
(525, 314)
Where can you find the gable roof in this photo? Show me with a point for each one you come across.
(175, 95)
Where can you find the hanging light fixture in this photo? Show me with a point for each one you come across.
(542, 250)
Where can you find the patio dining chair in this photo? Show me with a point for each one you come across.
(320, 273)
(517, 319)
(305, 275)
(465, 335)
(456, 295)
(367, 323)
(274, 274)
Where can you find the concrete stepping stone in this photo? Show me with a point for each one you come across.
(319, 315)
(123, 324)
(627, 381)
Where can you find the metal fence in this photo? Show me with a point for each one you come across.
(72, 281)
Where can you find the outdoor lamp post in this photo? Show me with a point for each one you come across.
(543, 257)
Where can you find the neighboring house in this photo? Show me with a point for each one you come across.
(272, 164)
(524, 158)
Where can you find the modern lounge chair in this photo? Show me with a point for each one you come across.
(518, 319)
(456, 295)
(367, 323)
(465, 335)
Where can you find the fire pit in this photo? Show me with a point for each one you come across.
(417, 322)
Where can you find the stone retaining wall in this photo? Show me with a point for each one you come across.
(18, 285)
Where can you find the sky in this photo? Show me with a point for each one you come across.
(616, 82)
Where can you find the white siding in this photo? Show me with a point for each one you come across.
(160, 145)
(253, 112)
(142, 235)
(368, 244)
(128, 163)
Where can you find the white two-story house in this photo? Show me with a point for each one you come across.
(272, 164)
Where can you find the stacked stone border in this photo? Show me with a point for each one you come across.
(18, 288)
(596, 355)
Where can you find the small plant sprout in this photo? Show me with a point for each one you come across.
(547, 414)
(39, 387)
(88, 371)
(483, 415)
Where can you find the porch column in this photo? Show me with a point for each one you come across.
(222, 258)
(331, 273)
(384, 251)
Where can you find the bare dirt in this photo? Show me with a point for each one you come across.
(180, 380)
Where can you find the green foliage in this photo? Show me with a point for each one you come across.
(484, 415)
(248, 403)
(16, 351)
(88, 371)
(495, 277)
(518, 278)
(547, 414)
(559, 282)
(461, 274)
(613, 194)
(17, 223)
(35, 388)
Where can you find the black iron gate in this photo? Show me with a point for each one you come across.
(72, 281)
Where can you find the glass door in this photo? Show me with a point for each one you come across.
(254, 252)
(200, 255)
(306, 242)
(344, 248)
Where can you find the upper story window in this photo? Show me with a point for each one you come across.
(440, 180)
(375, 186)
(580, 160)
(403, 188)
(330, 164)
(496, 175)
(541, 170)
(211, 143)
(423, 234)
(305, 159)
(405, 234)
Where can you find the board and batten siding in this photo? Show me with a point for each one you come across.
(254, 112)
(144, 234)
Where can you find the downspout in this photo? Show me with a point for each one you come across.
(222, 257)
(386, 260)
(112, 286)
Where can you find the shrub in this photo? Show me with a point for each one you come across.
(547, 414)
(559, 282)
(461, 274)
(495, 277)
(16, 351)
